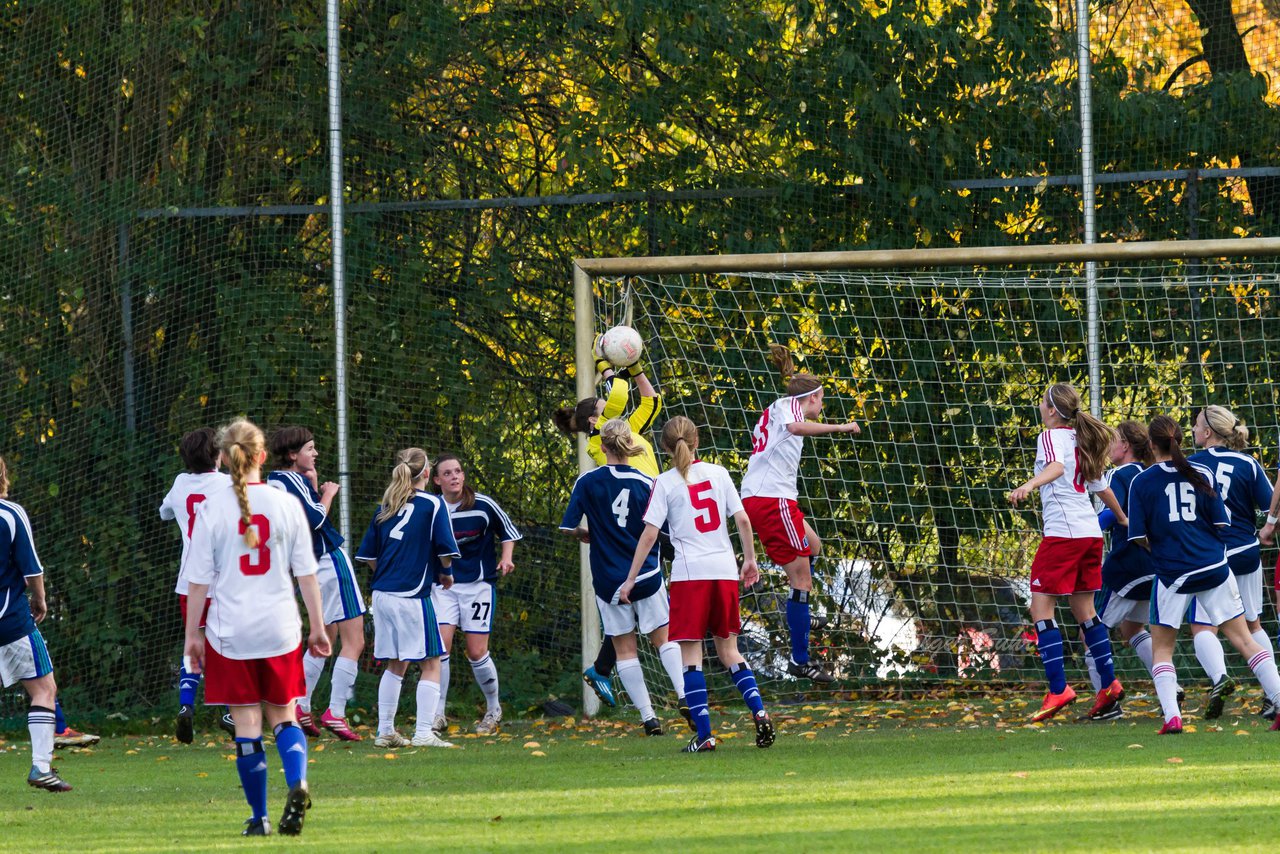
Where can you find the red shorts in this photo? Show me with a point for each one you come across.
(779, 524)
(182, 606)
(699, 606)
(1278, 574)
(278, 680)
(1065, 565)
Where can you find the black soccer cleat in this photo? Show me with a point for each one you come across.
(228, 724)
(687, 715)
(1109, 713)
(1268, 710)
(810, 670)
(764, 729)
(296, 804)
(652, 727)
(695, 746)
(256, 827)
(185, 730)
(47, 780)
(1218, 694)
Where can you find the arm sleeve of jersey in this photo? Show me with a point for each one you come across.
(508, 532)
(166, 508)
(573, 513)
(24, 547)
(616, 402)
(1133, 509)
(442, 534)
(732, 500)
(1261, 488)
(302, 560)
(1096, 485)
(199, 566)
(791, 413)
(656, 513)
(369, 544)
(1055, 446)
(294, 484)
(646, 411)
(1214, 510)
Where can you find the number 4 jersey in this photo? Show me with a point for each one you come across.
(253, 613)
(695, 509)
(1064, 502)
(613, 499)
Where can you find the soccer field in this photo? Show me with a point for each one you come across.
(921, 776)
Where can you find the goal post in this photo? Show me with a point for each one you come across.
(942, 355)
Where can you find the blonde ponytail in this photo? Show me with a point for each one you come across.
(242, 443)
(1227, 427)
(411, 464)
(616, 439)
(797, 383)
(680, 440)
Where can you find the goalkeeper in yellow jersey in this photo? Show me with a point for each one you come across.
(584, 418)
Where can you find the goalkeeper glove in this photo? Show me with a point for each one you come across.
(632, 371)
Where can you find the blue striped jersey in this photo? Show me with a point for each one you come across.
(1182, 524)
(18, 561)
(408, 547)
(324, 536)
(613, 500)
(477, 532)
(1244, 489)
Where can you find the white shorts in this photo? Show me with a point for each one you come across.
(25, 658)
(1209, 607)
(651, 612)
(1114, 609)
(468, 605)
(404, 629)
(338, 588)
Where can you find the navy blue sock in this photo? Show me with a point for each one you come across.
(1049, 642)
(187, 684)
(798, 625)
(251, 762)
(59, 722)
(1098, 639)
(746, 682)
(291, 742)
(695, 694)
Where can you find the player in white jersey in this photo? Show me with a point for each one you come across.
(770, 493)
(199, 451)
(1244, 489)
(250, 544)
(1069, 465)
(694, 500)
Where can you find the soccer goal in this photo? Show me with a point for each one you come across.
(942, 356)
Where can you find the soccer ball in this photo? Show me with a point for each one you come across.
(622, 346)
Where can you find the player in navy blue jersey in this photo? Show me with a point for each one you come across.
(411, 546)
(1244, 489)
(1267, 536)
(1177, 515)
(613, 499)
(294, 452)
(481, 528)
(23, 655)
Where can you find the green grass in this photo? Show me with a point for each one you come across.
(923, 776)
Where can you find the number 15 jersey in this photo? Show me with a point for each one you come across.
(696, 511)
(252, 613)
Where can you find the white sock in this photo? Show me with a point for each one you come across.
(1093, 671)
(632, 676)
(487, 678)
(1262, 639)
(444, 688)
(1166, 678)
(428, 697)
(344, 686)
(1263, 666)
(41, 723)
(312, 667)
(388, 701)
(1209, 654)
(1141, 643)
(672, 662)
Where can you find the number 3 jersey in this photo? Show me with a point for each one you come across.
(253, 613)
(695, 509)
(1181, 524)
(613, 500)
(1064, 502)
(189, 490)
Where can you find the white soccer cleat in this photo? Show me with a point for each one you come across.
(489, 724)
(391, 739)
(440, 724)
(430, 739)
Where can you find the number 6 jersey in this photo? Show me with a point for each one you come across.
(253, 613)
(1064, 503)
(695, 511)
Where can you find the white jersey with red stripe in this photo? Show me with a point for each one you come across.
(774, 465)
(253, 613)
(188, 491)
(696, 511)
(1064, 502)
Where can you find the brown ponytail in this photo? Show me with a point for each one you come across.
(797, 383)
(680, 440)
(574, 419)
(411, 464)
(1166, 437)
(1135, 434)
(1093, 438)
(242, 443)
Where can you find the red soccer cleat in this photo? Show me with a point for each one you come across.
(338, 726)
(1173, 726)
(1107, 699)
(1275, 724)
(1054, 703)
(308, 724)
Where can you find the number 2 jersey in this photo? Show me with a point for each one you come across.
(613, 499)
(774, 465)
(695, 510)
(1064, 502)
(253, 613)
(1181, 524)
(18, 562)
(185, 496)
(408, 547)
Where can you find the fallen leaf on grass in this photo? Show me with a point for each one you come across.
(318, 748)
(1021, 775)
(537, 753)
(202, 774)
(1135, 747)
(1174, 760)
(531, 744)
(789, 774)
(1242, 732)
(496, 818)
(388, 756)
(1056, 747)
